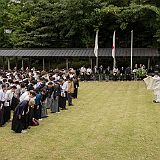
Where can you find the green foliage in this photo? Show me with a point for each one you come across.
(72, 23)
(141, 72)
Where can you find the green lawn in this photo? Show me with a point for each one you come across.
(109, 121)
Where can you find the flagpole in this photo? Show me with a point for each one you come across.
(131, 50)
(114, 49)
(114, 63)
(97, 61)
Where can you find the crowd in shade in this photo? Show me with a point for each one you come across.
(30, 94)
(100, 73)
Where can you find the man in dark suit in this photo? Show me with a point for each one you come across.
(122, 74)
(128, 73)
(55, 98)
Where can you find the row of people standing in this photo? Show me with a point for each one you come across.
(30, 98)
(101, 73)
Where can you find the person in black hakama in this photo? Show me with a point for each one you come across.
(49, 90)
(38, 105)
(22, 117)
(1, 114)
(55, 98)
(101, 73)
(14, 102)
(76, 85)
(122, 74)
(19, 117)
(107, 71)
(128, 73)
(63, 96)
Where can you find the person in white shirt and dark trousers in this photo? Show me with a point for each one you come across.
(2, 109)
(8, 101)
(62, 97)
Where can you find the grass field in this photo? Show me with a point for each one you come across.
(109, 121)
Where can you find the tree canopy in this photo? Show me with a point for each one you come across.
(72, 23)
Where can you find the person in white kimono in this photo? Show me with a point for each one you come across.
(157, 89)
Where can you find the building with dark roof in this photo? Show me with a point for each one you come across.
(84, 53)
(79, 52)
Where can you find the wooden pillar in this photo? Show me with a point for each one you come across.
(91, 63)
(97, 62)
(67, 66)
(3, 62)
(29, 62)
(149, 61)
(16, 63)
(43, 64)
(22, 64)
(8, 60)
(49, 64)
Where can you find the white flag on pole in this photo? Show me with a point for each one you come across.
(114, 45)
(96, 45)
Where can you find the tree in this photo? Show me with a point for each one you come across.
(4, 38)
(72, 23)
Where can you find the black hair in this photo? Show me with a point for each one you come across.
(3, 86)
(33, 93)
(4, 80)
(50, 83)
(16, 82)
(13, 87)
(10, 81)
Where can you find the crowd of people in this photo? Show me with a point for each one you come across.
(139, 72)
(30, 93)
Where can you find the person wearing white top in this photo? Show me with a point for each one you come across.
(89, 72)
(62, 97)
(8, 100)
(157, 91)
(83, 72)
(2, 109)
(65, 86)
(56, 77)
(115, 73)
(24, 96)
